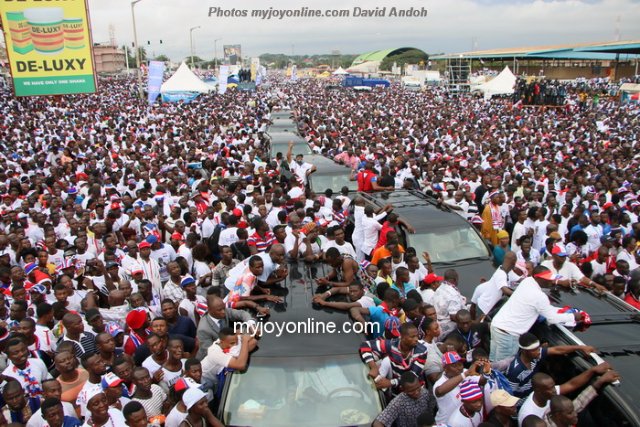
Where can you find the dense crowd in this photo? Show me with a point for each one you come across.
(133, 237)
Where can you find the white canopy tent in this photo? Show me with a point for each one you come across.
(183, 80)
(339, 72)
(503, 84)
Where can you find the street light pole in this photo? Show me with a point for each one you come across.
(135, 43)
(215, 54)
(191, 42)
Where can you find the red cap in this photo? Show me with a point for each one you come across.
(115, 206)
(136, 318)
(237, 212)
(546, 275)
(144, 244)
(432, 278)
(177, 236)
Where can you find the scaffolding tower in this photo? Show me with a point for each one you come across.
(458, 75)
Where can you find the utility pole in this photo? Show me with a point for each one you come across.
(135, 42)
(191, 42)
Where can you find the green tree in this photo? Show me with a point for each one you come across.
(163, 58)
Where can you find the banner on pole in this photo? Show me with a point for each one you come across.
(222, 79)
(156, 73)
(49, 47)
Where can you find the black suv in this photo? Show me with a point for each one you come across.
(614, 333)
(450, 240)
(310, 377)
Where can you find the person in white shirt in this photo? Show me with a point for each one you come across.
(487, 295)
(626, 254)
(229, 351)
(521, 311)
(371, 229)
(447, 388)
(544, 388)
(459, 204)
(519, 230)
(469, 413)
(300, 168)
(229, 235)
(339, 242)
(358, 230)
(567, 273)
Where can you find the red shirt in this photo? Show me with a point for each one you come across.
(630, 299)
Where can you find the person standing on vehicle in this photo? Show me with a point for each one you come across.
(521, 311)
(368, 180)
(300, 168)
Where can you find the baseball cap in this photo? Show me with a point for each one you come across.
(93, 391)
(110, 380)
(114, 329)
(192, 396)
(151, 239)
(177, 236)
(432, 278)
(557, 250)
(30, 267)
(186, 281)
(502, 398)
(502, 234)
(470, 390)
(39, 288)
(546, 275)
(451, 357)
(144, 244)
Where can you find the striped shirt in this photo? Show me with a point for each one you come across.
(86, 345)
(261, 243)
(153, 405)
(375, 350)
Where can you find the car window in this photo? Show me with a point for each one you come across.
(449, 244)
(297, 149)
(312, 391)
(319, 183)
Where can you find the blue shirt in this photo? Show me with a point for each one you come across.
(70, 422)
(183, 326)
(403, 292)
(377, 315)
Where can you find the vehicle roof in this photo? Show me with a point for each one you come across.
(614, 332)
(326, 166)
(298, 291)
(418, 209)
(423, 213)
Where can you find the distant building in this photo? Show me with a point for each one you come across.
(108, 58)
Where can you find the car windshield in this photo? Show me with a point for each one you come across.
(449, 244)
(297, 149)
(319, 183)
(311, 392)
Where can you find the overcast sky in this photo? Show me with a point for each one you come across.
(451, 26)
